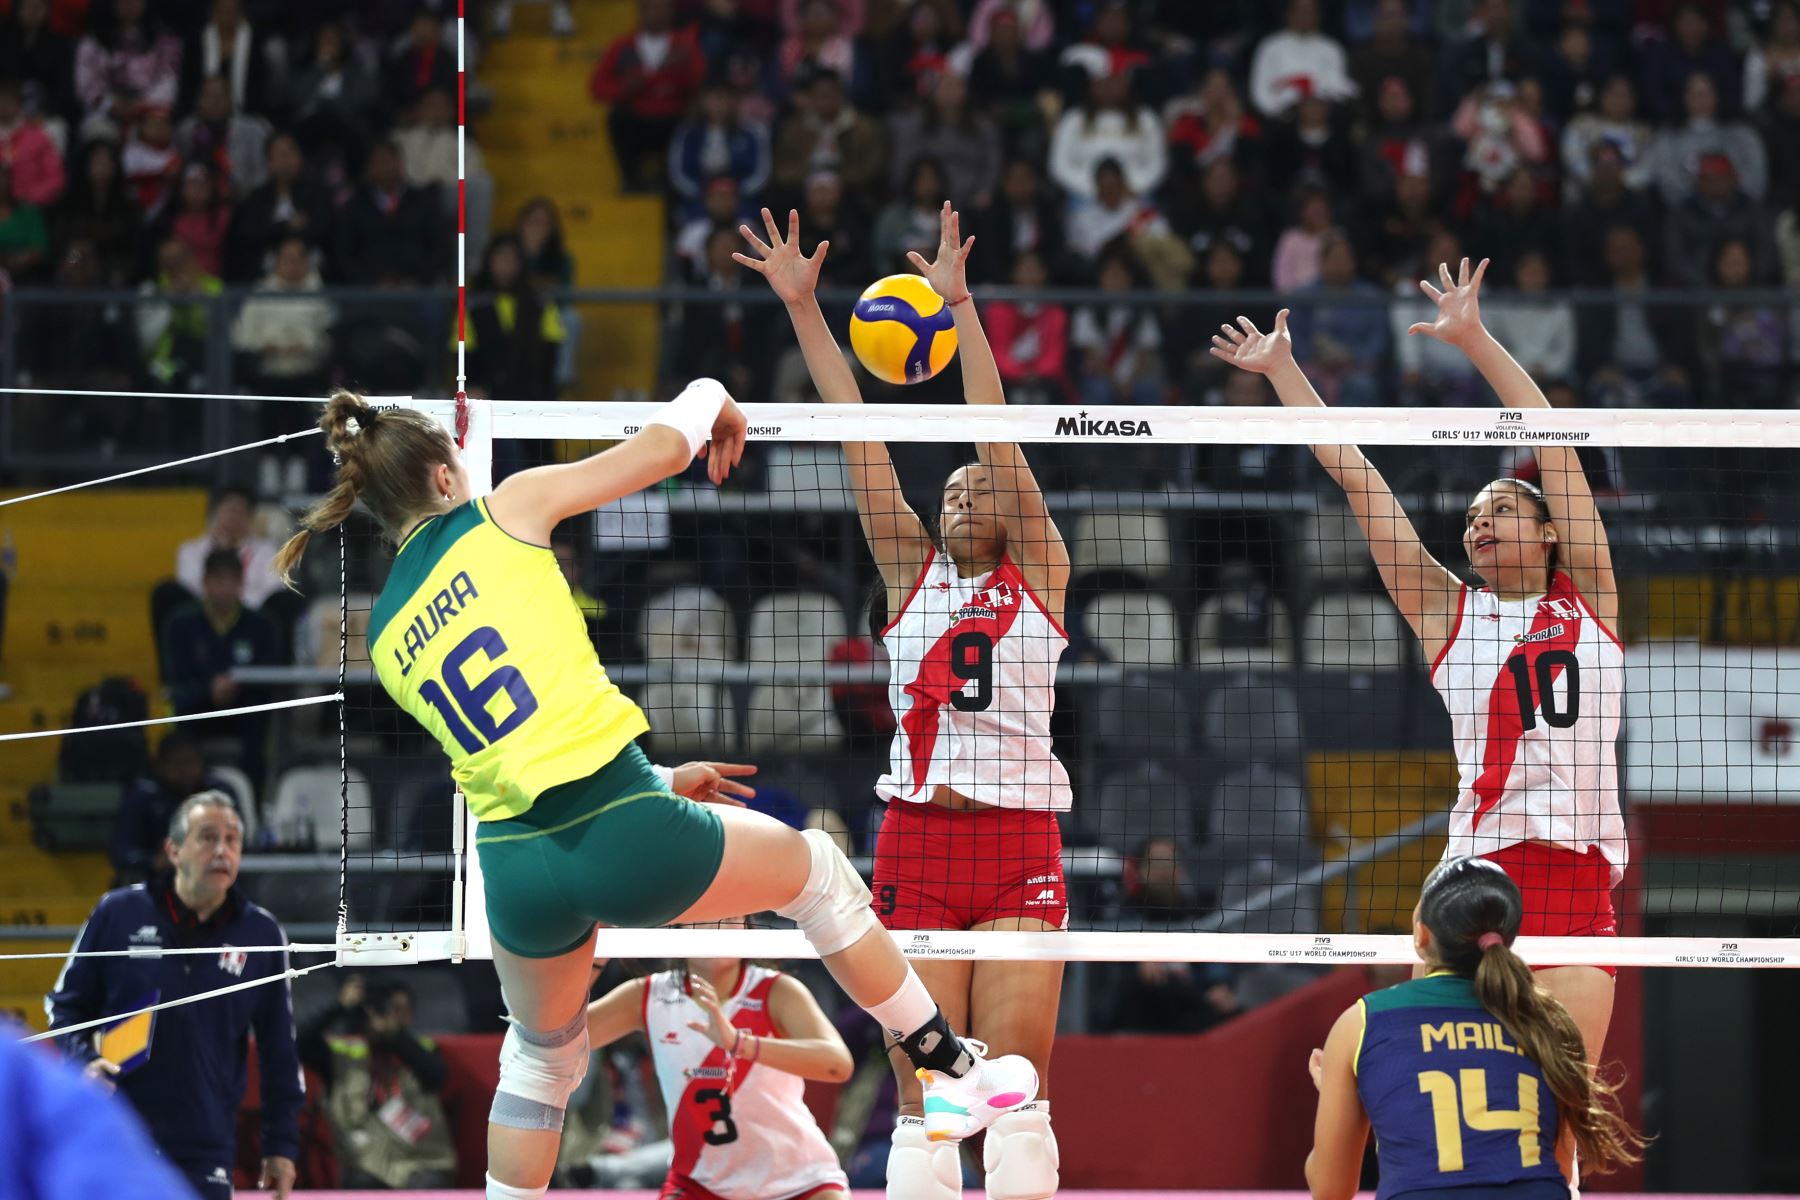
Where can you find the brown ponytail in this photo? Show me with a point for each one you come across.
(1548, 1035)
(1473, 910)
(385, 458)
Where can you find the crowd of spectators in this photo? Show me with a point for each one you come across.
(1338, 146)
(174, 147)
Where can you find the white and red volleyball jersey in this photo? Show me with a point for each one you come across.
(972, 685)
(1534, 688)
(741, 1129)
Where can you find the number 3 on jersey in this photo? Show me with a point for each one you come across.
(464, 704)
(1474, 1112)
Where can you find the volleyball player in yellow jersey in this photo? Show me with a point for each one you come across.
(476, 636)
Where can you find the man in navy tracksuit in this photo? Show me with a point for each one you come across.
(188, 1090)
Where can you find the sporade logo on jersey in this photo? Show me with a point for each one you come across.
(1542, 635)
(1080, 426)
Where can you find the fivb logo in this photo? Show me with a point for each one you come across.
(1081, 426)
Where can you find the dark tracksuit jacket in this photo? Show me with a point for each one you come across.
(188, 1091)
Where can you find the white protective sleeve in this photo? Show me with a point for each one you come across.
(692, 413)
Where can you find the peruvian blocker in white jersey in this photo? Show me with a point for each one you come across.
(1528, 665)
(733, 1045)
(970, 838)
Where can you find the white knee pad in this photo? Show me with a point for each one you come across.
(1020, 1155)
(538, 1074)
(921, 1169)
(832, 910)
(506, 1191)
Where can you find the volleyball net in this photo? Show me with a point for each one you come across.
(1260, 767)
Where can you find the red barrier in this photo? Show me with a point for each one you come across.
(1230, 1108)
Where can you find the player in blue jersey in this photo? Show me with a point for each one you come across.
(1473, 1077)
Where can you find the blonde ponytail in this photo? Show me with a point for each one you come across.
(385, 459)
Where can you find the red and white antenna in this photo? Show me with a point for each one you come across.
(462, 221)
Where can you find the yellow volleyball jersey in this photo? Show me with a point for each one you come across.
(475, 634)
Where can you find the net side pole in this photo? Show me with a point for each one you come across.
(468, 905)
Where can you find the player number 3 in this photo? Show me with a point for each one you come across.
(464, 704)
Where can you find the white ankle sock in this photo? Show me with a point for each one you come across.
(503, 1191)
(907, 1010)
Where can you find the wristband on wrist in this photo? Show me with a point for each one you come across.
(966, 297)
(692, 413)
(666, 774)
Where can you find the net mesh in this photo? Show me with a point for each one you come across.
(1248, 725)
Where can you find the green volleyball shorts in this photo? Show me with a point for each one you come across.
(614, 847)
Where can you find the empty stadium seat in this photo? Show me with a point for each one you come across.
(1252, 718)
(794, 627)
(791, 717)
(690, 717)
(1133, 542)
(1135, 629)
(308, 806)
(240, 786)
(1140, 715)
(1259, 837)
(1330, 549)
(1259, 808)
(1140, 801)
(1225, 632)
(73, 816)
(316, 638)
(688, 624)
(1355, 631)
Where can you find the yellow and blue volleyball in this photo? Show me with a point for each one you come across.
(902, 330)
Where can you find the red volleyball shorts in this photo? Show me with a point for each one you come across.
(939, 868)
(676, 1187)
(1566, 894)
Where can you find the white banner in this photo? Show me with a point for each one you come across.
(1712, 724)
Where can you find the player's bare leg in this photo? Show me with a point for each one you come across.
(1011, 1004)
(768, 866)
(1587, 992)
(919, 1169)
(543, 996)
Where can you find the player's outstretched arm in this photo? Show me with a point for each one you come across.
(896, 536)
(807, 1045)
(1422, 589)
(702, 421)
(1582, 547)
(1031, 535)
(617, 1014)
(1341, 1127)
